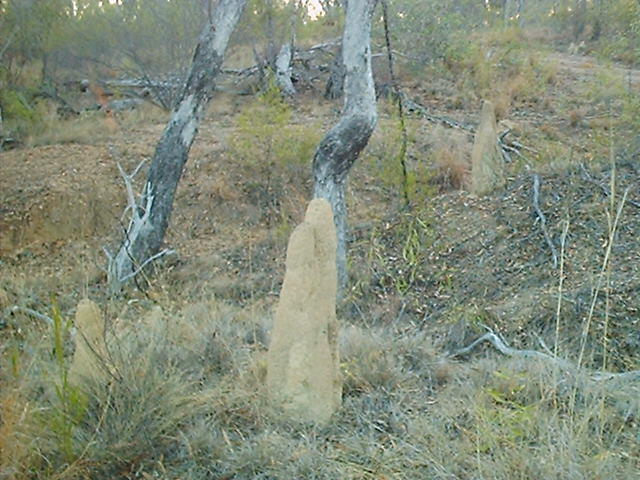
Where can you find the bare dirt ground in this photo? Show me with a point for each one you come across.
(580, 65)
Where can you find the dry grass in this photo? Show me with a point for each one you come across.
(91, 127)
(186, 393)
(187, 401)
(15, 454)
(451, 159)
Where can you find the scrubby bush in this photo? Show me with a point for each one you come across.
(276, 150)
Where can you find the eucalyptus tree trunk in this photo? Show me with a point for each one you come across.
(283, 70)
(342, 145)
(335, 85)
(512, 9)
(150, 218)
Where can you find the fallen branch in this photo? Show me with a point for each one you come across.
(506, 148)
(297, 54)
(40, 316)
(605, 190)
(505, 349)
(153, 258)
(543, 220)
(410, 105)
(413, 106)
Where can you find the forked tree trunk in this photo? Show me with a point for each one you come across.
(150, 218)
(342, 145)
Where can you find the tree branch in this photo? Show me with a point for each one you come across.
(505, 349)
(543, 220)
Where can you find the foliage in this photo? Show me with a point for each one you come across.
(431, 31)
(383, 154)
(619, 22)
(31, 32)
(267, 25)
(17, 111)
(15, 410)
(70, 404)
(271, 145)
(403, 270)
(610, 28)
(501, 67)
(151, 40)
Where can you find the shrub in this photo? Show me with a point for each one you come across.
(275, 151)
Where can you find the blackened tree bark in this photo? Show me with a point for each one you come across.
(150, 218)
(342, 145)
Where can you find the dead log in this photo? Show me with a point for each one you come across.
(502, 347)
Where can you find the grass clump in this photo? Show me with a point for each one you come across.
(117, 424)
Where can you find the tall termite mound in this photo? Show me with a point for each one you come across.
(303, 365)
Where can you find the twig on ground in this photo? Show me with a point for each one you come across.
(506, 148)
(40, 316)
(605, 190)
(543, 220)
(505, 349)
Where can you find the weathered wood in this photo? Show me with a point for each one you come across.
(283, 70)
(503, 348)
(335, 83)
(543, 219)
(144, 236)
(341, 146)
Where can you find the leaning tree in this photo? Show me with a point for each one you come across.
(341, 146)
(150, 216)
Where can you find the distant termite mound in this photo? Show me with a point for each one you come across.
(487, 165)
(90, 343)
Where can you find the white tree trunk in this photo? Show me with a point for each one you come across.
(342, 145)
(150, 217)
(283, 70)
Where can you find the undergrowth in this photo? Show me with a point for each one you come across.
(182, 394)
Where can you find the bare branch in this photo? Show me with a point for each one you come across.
(8, 42)
(605, 190)
(40, 316)
(543, 220)
(164, 252)
(505, 349)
